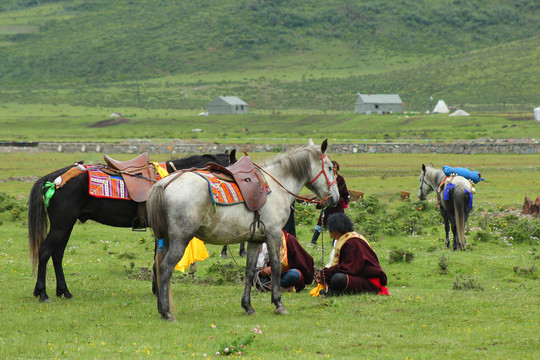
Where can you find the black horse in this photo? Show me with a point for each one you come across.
(71, 203)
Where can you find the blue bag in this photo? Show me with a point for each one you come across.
(474, 176)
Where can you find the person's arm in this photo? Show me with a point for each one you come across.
(351, 261)
(343, 191)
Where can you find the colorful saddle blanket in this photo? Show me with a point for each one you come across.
(223, 192)
(103, 185)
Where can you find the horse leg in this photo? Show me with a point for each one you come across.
(251, 262)
(166, 268)
(275, 263)
(54, 242)
(154, 279)
(61, 285)
(455, 244)
(242, 252)
(45, 252)
(446, 227)
(224, 252)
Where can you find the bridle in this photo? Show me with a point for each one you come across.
(309, 200)
(323, 172)
(423, 180)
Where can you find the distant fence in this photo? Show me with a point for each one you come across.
(495, 147)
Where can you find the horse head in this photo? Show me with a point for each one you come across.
(425, 188)
(323, 182)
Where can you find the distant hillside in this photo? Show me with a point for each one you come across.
(304, 54)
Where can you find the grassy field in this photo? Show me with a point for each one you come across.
(71, 123)
(482, 303)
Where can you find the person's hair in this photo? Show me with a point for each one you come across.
(339, 222)
(335, 163)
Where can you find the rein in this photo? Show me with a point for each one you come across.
(309, 200)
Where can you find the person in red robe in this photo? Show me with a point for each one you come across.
(296, 266)
(355, 267)
(342, 204)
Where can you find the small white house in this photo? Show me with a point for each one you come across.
(378, 103)
(226, 105)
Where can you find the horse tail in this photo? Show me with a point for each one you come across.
(157, 220)
(460, 204)
(155, 208)
(37, 220)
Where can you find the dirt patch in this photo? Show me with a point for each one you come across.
(110, 122)
(520, 118)
(24, 179)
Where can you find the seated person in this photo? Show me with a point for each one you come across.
(296, 266)
(355, 267)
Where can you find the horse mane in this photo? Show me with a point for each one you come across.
(296, 162)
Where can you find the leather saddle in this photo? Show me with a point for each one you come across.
(137, 175)
(249, 181)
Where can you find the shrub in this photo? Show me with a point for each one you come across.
(399, 255)
(13, 205)
(464, 282)
(443, 264)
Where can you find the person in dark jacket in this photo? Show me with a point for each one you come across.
(344, 198)
(296, 266)
(355, 267)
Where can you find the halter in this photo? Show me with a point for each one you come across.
(312, 200)
(423, 180)
(323, 172)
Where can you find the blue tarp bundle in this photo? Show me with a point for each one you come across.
(474, 176)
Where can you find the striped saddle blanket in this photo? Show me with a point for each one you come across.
(223, 192)
(104, 185)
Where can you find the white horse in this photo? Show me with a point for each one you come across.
(180, 208)
(454, 196)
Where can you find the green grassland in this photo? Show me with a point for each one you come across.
(482, 303)
(59, 123)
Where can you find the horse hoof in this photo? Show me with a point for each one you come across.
(224, 256)
(250, 312)
(281, 311)
(168, 316)
(45, 301)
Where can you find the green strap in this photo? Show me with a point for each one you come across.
(49, 188)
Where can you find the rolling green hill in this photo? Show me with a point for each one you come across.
(305, 55)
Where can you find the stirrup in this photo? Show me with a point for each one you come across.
(139, 220)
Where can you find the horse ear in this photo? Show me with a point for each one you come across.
(423, 168)
(324, 146)
(232, 157)
(431, 164)
(310, 142)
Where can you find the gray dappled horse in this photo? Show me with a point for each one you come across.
(181, 208)
(454, 197)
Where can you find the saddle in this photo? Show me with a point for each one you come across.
(138, 175)
(249, 181)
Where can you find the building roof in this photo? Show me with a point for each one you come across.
(380, 98)
(232, 100)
